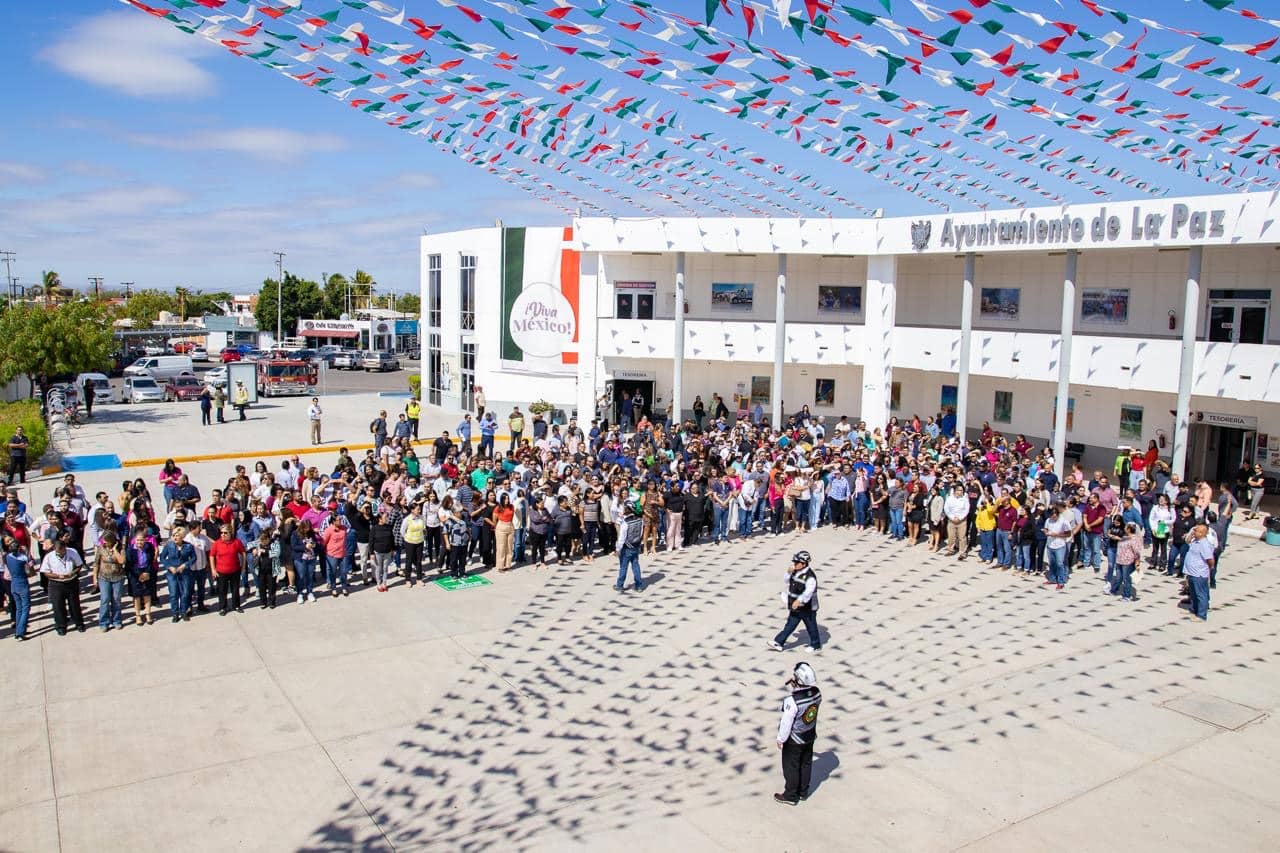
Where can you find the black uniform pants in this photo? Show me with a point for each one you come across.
(797, 767)
(229, 584)
(64, 598)
(17, 467)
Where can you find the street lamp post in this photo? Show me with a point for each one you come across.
(279, 297)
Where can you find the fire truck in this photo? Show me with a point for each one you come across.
(279, 377)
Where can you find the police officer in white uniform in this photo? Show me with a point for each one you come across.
(801, 598)
(797, 731)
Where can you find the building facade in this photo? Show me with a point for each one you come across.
(1091, 327)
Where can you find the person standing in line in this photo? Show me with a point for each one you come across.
(1128, 554)
(457, 537)
(956, 509)
(226, 561)
(797, 732)
(1197, 566)
(1058, 531)
(379, 430)
(1257, 488)
(333, 536)
(178, 560)
(413, 412)
(382, 543)
(504, 532)
(413, 532)
(241, 399)
(206, 406)
(108, 575)
(801, 599)
(464, 438)
(515, 423)
(478, 396)
(140, 566)
(17, 455)
(488, 429)
(17, 563)
(629, 540)
(61, 566)
(314, 414)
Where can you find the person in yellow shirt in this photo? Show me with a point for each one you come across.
(985, 521)
(412, 412)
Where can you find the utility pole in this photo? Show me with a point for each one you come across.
(96, 281)
(128, 291)
(279, 292)
(9, 280)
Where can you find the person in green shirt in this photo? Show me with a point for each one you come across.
(481, 476)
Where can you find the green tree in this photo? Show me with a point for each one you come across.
(336, 288)
(144, 306)
(200, 303)
(409, 303)
(42, 343)
(52, 287)
(299, 298)
(362, 290)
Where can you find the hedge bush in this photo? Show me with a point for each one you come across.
(24, 413)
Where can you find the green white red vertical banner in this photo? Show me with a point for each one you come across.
(540, 299)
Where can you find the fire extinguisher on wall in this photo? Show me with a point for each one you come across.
(1160, 438)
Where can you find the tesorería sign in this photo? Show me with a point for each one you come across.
(542, 322)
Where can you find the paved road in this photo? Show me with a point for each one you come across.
(964, 708)
(337, 381)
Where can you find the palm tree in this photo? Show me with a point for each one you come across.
(182, 293)
(53, 289)
(362, 285)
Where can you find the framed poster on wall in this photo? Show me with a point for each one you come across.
(1001, 303)
(824, 392)
(1104, 306)
(760, 390)
(949, 397)
(1002, 411)
(1131, 422)
(838, 299)
(732, 296)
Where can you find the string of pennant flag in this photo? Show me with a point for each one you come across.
(634, 106)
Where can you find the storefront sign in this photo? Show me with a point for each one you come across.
(1224, 420)
(635, 375)
(542, 322)
(635, 285)
(406, 327)
(328, 328)
(1109, 225)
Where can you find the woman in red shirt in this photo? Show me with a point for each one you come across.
(504, 530)
(226, 560)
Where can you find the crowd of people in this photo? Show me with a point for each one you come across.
(560, 493)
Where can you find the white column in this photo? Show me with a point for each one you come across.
(966, 339)
(590, 283)
(1064, 361)
(1186, 367)
(880, 313)
(779, 341)
(677, 362)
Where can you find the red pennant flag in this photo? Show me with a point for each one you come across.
(363, 49)
(1251, 83)
(749, 15)
(927, 49)
(991, 124)
(837, 38)
(471, 13)
(422, 30)
(1052, 45)
(1092, 7)
(964, 16)
(1069, 29)
(1259, 48)
(452, 63)
(982, 88)
(249, 32)
(721, 57)
(1126, 66)
(889, 142)
(411, 58)
(558, 12)
(1004, 56)
(632, 27)
(1197, 65)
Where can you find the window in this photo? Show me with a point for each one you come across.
(434, 290)
(434, 367)
(1131, 422)
(1002, 411)
(468, 377)
(467, 286)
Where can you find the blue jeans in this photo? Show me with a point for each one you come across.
(486, 446)
(1091, 550)
(1024, 556)
(986, 544)
(862, 509)
(1122, 581)
(1198, 588)
(518, 544)
(762, 506)
(802, 512)
(809, 617)
(629, 555)
(815, 512)
(306, 573)
(1112, 572)
(1004, 548)
(1177, 553)
(335, 572)
(20, 590)
(896, 528)
(721, 529)
(1057, 565)
(179, 591)
(745, 517)
(112, 593)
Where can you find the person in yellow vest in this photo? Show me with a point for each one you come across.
(413, 411)
(241, 398)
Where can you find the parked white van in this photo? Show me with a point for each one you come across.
(160, 367)
(101, 386)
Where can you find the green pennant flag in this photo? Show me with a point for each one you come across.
(949, 37)
(500, 27)
(1219, 4)
(797, 23)
(860, 16)
(961, 56)
(992, 26)
(895, 62)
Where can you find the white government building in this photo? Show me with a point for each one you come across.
(1150, 319)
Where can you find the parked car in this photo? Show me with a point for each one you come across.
(140, 389)
(379, 361)
(155, 349)
(229, 355)
(199, 353)
(101, 386)
(252, 355)
(348, 359)
(160, 367)
(184, 387)
(216, 378)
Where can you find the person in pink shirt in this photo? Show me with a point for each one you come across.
(334, 541)
(170, 476)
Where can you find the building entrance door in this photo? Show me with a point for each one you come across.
(1239, 319)
(630, 387)
(1215, 452)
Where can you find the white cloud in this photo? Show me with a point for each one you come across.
(96, 209)
(264, 143)
(12, 173)
(134, 54)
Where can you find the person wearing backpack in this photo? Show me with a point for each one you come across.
(378, 426)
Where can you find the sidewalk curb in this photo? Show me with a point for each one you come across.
(287, 451)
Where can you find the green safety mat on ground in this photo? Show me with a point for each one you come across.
(452, 584)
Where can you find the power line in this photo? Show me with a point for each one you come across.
(9, 258)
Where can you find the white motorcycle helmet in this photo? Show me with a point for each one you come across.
(804, 676)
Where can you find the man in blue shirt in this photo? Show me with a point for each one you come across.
(488, 429)
(1196, 566)
(464, 434)
(949, 423)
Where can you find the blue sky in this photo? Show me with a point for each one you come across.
(139, 153)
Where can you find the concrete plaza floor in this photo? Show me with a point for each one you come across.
(964, 708)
